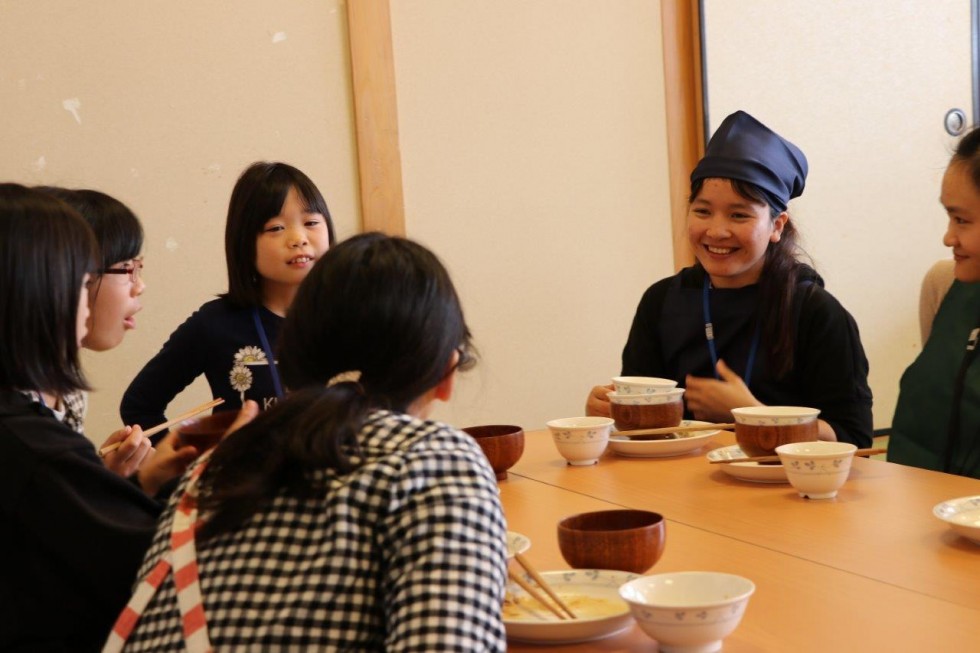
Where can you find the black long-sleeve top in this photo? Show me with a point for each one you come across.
(221, 342)
(829, 372)
(74, 534)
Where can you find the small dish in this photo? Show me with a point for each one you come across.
(753, 472)
(680, 444)
(517, 543)
(576, 587)
(963, 515)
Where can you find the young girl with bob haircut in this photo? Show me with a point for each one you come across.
(278, 226)
(749, 324)
(74, 531)
(937, 417)
(113, 299)
(341, 518)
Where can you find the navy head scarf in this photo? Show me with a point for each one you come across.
(743, 148)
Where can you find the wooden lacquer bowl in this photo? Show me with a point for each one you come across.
(627, 540)
(502, 444)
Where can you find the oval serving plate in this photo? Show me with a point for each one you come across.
(517, 543)
(963, 515)
(593, 594)
(679, 445)
(753, 472)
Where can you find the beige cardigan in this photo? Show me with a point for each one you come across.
(935, 285)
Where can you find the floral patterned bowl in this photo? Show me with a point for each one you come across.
(817, 469)
(629, 385)
(688, 611)
(581, 440)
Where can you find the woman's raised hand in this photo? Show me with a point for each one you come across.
(598, 401)
(712, 400)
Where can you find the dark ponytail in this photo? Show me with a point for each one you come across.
(379, 306)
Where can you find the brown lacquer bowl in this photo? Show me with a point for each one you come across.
(627, 540)
(502, 444)
(204, 433)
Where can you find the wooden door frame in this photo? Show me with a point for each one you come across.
(379, 162)
(376, 114)
(684, 95)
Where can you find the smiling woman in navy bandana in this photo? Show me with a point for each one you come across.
(749, 324)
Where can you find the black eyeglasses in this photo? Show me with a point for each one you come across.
(133, 269)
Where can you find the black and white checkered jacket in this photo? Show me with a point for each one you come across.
(407, 553)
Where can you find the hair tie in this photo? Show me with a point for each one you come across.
(351, 376)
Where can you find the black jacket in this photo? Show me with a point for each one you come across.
(74, 534)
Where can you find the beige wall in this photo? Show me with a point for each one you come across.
(534, 162)
(174, 99)
(532, 136)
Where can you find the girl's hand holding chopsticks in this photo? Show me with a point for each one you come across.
(126, 449)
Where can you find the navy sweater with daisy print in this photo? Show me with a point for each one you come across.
(219, 341)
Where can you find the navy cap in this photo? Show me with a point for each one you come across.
(743, 148)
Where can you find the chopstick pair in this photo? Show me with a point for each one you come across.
(668, 430)
(166, 425)
(533, 593)
(775, 459)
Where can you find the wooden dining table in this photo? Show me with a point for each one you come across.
(871, 570)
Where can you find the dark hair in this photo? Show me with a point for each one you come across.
(781, 272)
(117, 229)
(968, 152)
(380, 305)
(258, 196)
(46, 249)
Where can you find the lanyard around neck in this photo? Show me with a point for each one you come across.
(268, 352)
(709, 334)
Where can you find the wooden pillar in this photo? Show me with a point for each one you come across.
(685, 111)
(376, 116)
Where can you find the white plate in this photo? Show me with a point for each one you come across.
(747, 471)
(516, 543)
(684, 443)
(963, 515)
(538, 625)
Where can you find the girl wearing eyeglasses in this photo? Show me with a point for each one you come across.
(278, 226)
(73, 531)
(113, 298)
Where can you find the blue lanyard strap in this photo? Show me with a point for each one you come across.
(709, 334)
(268, 352)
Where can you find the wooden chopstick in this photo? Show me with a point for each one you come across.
(676, 429)
(543, 583)
(775, 459)
(166, 425)
(533, 593)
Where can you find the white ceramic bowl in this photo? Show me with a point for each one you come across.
(526, 621)
(688, 611)
(665, 397)
(963, 515)
(636, 385)
(817, 469)
(775, 415)
(581, 440)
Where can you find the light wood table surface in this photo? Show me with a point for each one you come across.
(879, 527)
(799, 606)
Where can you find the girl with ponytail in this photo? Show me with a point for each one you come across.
(343, 518)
